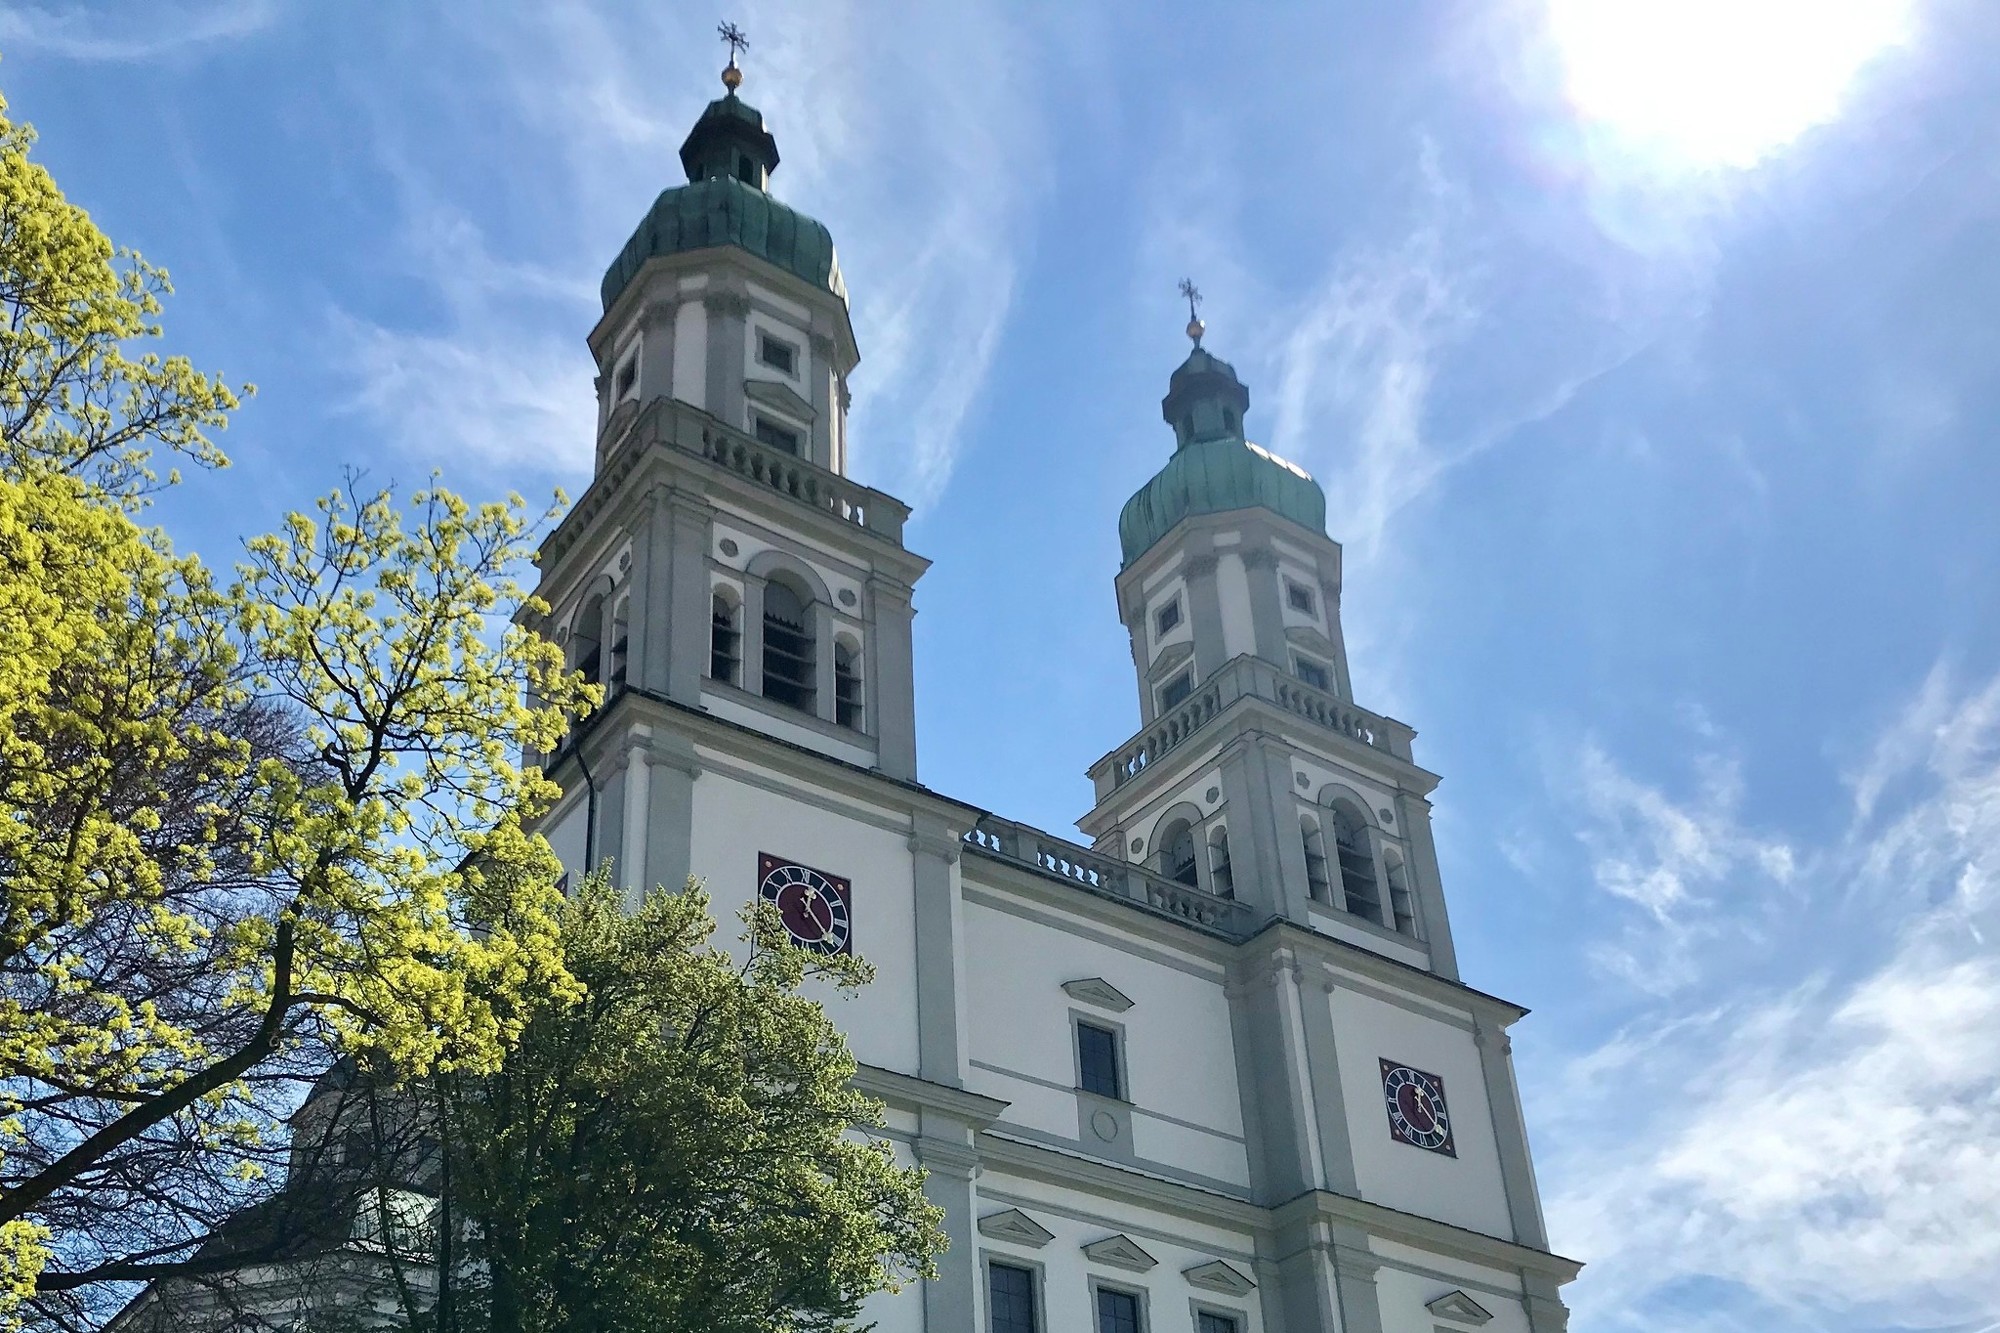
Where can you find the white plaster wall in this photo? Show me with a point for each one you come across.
(1232, 585)
(1019, 1023)
(691, 353)
(798, 733)
(1337, 924)
(1079, 1219)
(564, 828)
(734, 820)
(1465, 1190)
(1403, 1294)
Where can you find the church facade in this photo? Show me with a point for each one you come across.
(1210, 1066)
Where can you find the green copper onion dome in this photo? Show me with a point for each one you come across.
(1214, 469)
(729, 157)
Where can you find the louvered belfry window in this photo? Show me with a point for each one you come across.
(788, 648)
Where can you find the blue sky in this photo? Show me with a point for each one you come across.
(1645, 350)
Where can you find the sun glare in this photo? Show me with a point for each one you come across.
(1717, 82)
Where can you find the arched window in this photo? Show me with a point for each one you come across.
(618, 640)
(1220, 877)
(846, 685)
(1315, 846)
(1176, 844)
(725, 639)
(788, 646)
(586, 641)
(1357, 863)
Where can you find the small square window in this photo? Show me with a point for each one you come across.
(1097, 1061)
(1298, 597)
(778, 354)
(1010, 1299)
(1209, 1322)
(1167, 617)
(1117, 1312)
(1177, 689)
(778, 437)
(628, 378)
(1312, 673)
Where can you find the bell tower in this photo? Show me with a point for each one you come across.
(721, 561)
(1254, 774)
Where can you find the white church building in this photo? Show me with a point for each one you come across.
(1209, 1067)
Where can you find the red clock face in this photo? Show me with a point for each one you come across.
(813, 905)
(1417, 1113)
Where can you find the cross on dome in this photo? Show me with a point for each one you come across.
(1195, 328)
(732, 77)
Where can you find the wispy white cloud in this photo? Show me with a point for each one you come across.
(1824, 1150)
(132, 33)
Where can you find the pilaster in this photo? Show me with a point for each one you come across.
(1510, 1133)
(1204, 616)
(1267, 621)
(895, 724)
(934, 852)
(728, 313)
(944, 1149)
(1413, 814)
(1354, 1268)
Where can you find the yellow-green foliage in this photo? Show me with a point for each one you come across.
(232, 817)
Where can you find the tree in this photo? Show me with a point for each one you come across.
(243, 828)
(671, 1150)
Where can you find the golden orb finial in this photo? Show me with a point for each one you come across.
(732, 77)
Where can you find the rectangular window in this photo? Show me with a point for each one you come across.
(1175, 690)
(1117, 1311)
(1010, 1299)
(1167, 617)
(778, 437)
(1312, 673)
(778, 354)
(1097, 1061)
(1206, 1322)
(1298, 597)
(628, 378)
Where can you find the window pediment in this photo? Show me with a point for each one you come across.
(1216, 1275)
(1460, 1308)
(1015, 1226)
(1098, 991)
(778, 398)
(1120, 1252)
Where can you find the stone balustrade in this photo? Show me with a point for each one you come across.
(1108, 877)
(671, 424)
(1240, 678)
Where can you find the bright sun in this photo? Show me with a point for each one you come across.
(1717, 82)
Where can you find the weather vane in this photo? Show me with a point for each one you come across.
(732, 77)
(1195, 327)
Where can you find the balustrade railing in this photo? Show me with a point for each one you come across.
(1247, 677)
(1005, 840)
(675, 425)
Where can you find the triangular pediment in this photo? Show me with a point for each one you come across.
(1169, 659)
(1120, 1252)
(1216, 1275)
(779, 397)
(1015, 1226)
(1098, 991)
(1459, 1307)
